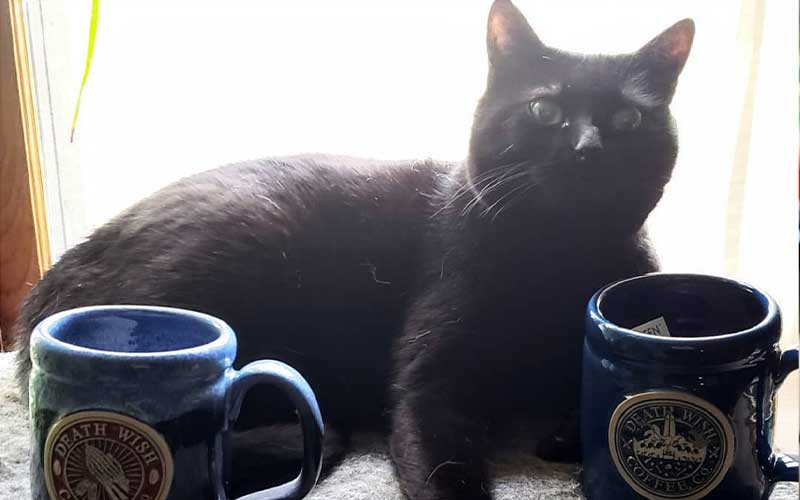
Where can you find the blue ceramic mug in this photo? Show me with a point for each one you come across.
(137, 403)
(678, 391)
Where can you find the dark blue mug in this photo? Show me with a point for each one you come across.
(137, 403)
(679, 379)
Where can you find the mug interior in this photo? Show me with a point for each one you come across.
(691, 305)
(134, 330)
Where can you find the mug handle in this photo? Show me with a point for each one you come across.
(784, 467)
(295, 386)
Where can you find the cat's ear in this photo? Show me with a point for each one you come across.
(665, 55)
(509, 36)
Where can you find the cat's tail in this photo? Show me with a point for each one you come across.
(40, 303)
(266, 456)
(71, 282)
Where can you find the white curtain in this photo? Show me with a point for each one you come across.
(183, 86)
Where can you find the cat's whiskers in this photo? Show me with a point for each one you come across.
(478, 196)
(493, 187)
(501, 199)
(461, 191)
(484, 178)
(515, 194)
(528, 187)
(513, 173)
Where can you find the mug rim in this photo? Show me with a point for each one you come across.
(771, 308)
(224, 340)
(714, 349)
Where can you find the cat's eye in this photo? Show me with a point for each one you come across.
(545, 111)
(628, 118)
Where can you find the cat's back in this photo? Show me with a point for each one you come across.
(290, 251)
(309, 210)
(316, 226)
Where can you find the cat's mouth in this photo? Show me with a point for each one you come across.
(572, 186)
(572, 175)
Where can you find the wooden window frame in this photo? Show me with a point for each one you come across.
(24, 243)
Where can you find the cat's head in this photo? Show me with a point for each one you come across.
(578, 138)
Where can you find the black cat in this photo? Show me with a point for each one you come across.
(438, 297)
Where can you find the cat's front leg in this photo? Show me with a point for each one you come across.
(564, 445)
(443, 400)
(438, 447)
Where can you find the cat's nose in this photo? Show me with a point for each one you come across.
(586, 139)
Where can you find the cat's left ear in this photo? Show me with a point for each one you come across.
(665, 55)
(509, 37)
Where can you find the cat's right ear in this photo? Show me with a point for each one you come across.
(509, 37)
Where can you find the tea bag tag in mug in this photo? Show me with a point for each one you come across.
(657, 327)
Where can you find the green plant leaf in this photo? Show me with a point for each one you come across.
(89, 54)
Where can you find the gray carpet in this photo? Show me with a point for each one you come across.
(366, 473)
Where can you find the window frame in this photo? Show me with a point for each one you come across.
(24, 242)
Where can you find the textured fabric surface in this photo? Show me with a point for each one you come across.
(365, 474)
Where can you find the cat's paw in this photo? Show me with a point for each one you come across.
(558, 448)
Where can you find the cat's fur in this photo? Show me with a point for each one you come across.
(442, 297)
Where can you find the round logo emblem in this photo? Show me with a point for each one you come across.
(98, 455)
(670, 445)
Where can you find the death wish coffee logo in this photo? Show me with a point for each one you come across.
(670, 445)
(96, 455)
